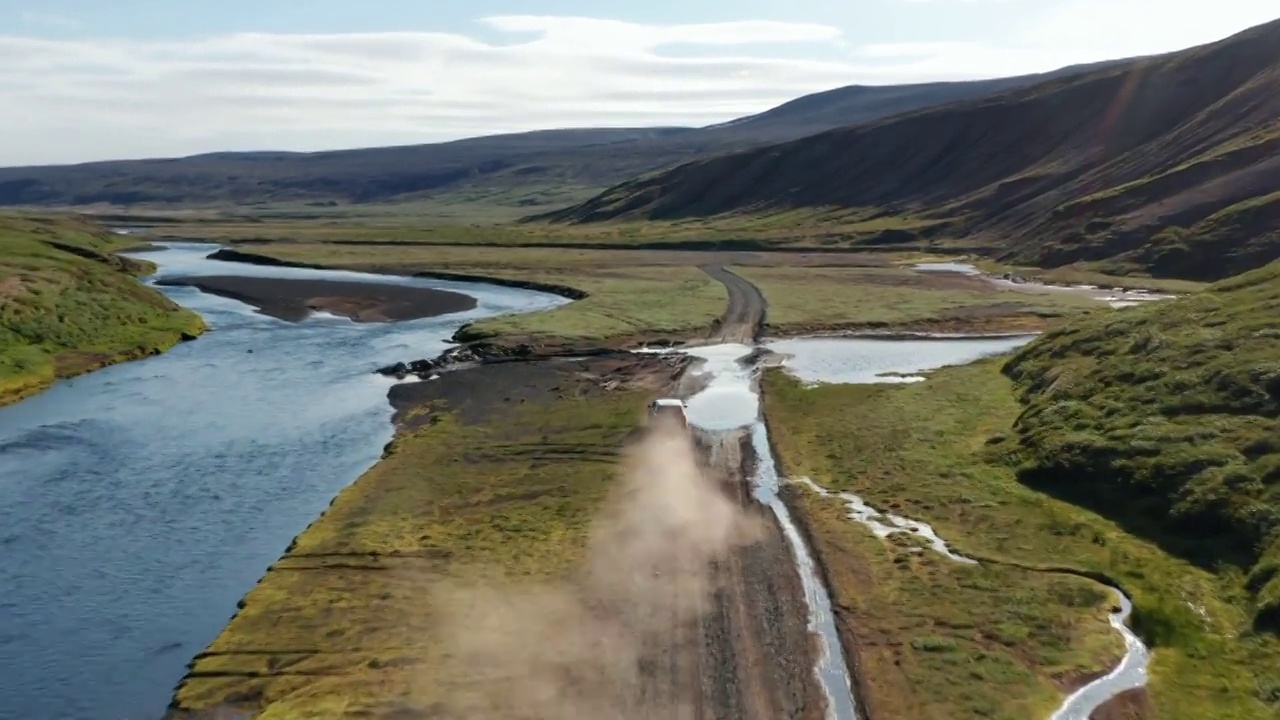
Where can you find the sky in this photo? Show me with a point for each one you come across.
(90, 80)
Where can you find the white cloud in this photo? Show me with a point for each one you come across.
(90, 99)
(72, 100)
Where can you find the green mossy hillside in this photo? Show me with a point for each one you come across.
(68, 304)
(1167, 418)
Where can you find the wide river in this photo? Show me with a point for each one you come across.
(139, 503)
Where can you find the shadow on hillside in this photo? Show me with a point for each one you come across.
(1136, 514)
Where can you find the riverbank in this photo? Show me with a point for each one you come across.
(933, 451)
(294, 300)
(69, 305)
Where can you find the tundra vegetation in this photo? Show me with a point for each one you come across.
(69, 304)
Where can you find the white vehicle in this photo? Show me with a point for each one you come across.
(672, 408)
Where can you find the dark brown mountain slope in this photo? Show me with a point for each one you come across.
(1170, 162)
(587, 159)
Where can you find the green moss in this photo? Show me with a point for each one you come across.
(68, 305)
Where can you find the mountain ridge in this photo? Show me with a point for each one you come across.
(591, 158)
(1094, 166)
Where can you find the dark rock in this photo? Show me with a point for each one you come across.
(398, 370)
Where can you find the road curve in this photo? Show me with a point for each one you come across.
(743, 320)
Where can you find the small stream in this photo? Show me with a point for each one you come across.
(882, 524)
(1116, 297)
(1130, 674)
(820, 360)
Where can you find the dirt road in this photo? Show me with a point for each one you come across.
(745, 651)
(756, 624)
(744, 318)
(749, 653)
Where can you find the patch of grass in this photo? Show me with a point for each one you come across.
(654, 292)
(462, 205)
(636, 302)
(344, 623)
(938, 451)
(422, 222)
(68, 305)
(820, 298)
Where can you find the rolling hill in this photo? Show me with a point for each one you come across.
(578, 162)
(1168, 163)
(1167, 418)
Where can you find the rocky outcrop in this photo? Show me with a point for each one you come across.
(486, 353)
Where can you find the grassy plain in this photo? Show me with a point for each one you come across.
(68, 305)
(817, 229)
(936, 451)
(346, 623)
(815, 299)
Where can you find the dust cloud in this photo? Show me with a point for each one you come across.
(620, 639)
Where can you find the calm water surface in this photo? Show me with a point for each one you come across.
(139, 503)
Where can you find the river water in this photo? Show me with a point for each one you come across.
(139, 503)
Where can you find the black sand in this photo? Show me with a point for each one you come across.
(294, 300)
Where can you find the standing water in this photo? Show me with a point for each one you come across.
(139, 503)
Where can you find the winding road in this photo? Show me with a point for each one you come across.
(743, 320)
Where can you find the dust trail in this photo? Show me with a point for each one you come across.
(585, 648)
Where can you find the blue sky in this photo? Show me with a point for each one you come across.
(98, 80)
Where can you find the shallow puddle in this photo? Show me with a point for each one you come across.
(729, 400)
(853, 360)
